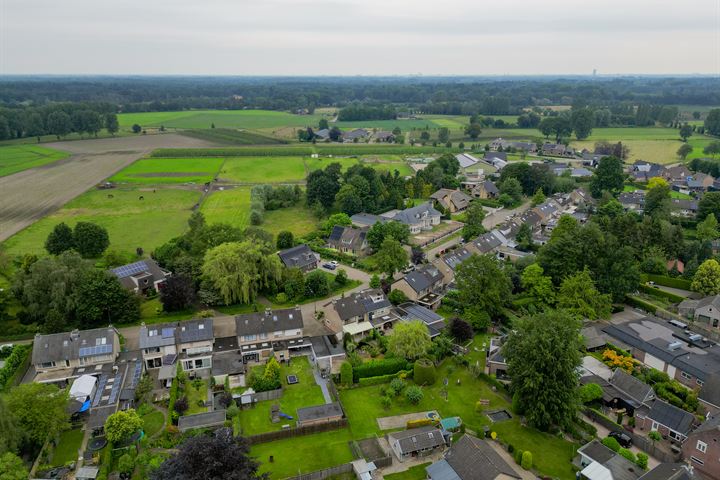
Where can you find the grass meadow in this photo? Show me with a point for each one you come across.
(263, 170)
(130, 222)
(17, 158)
(169, 170)
(221, 118)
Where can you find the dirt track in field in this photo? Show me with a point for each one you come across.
(30, 195)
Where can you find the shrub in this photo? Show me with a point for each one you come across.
(383, 366)
(611, 443)
(655, 436)
(590, 392)
(420, 422)
(518, 456)
(424, 372)
(397, 386)
(232, 411)
(627, 454)
(397, 297)
(511, 448)
(414, 394)
(126, 464)
(12, 363)
(642, 460)
(386, 402)
(181, 405)
(527, 460)
(281, 298)
(346, 374)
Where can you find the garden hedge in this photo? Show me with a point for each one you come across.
(640, 303)
(375, 368)
(424, 372)
(656, 292)
(12, 363)
(380, 379)
(666, 281)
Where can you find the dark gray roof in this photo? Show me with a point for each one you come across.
(57, 347)
(620, 467)
(490, 187)
(299, 256)
(336, 233)
(367, 219)
(473, 459)
(413, 215)
(593, 337)
(456, 257)
(500, 155)
(631, 386)
(597, 452)
(318, 412)
(417, 439)
(98, 416)
(196, 330)
(125, 273)
(269, 321)
(487, 242)
(713, 423)
(671, 416)
(411, 311)
(710, 392)
(441, 470)
(158, 335)
(423, 278)
(669, 471)
(227, 363)
(360, 303)
(349, 307)
(201, 420)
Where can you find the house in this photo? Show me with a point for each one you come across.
(500, 144)
(580, 173)
(494, 156)
(271, 332)
(471, 458)
(638, 392)
(592, 159)
(669, 420)
(452, 201)
(471, 165)
(632, 201)
(323, 135)
(642, 171)
(699, 182)
(598, 462)
(495, 363)
(387, 137)
(709, 395)
(702, 448)
(355, 135)
(418, 218)
(450, 261)
(195, 344)
(158, 345)
(319, 414)
(705, 311)
(487, 242)
(685, 208)
(485, 189)
(367, 220)
(423, 286)
(58, 357)
(300, 257)
(581, 198)
(409, 312)
(360, 312)
(677, 173)
(416, 442)
(557, 149)
(349, 240)
(141, 276)
(671, 471)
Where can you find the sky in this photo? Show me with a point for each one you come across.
(359, 37)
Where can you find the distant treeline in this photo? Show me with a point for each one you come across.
(362, 111)
(436, 95)
(59, 119)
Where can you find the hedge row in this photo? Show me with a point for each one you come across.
(656, 292)
(669, 281)
(380, 150)
(380, 379)
(14, 361)
(376, 368)
(267, 151)
(640, 303)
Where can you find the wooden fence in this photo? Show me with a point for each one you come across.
(297, 431)
(326, 473)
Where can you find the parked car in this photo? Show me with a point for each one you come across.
(409, 268)
(622, 438)
(329, 266)
(334, 262)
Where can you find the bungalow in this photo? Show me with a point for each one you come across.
(416, 442)
(158, 344)
(360, 312)
(271, 332)
(638, 392)
(486, 189)
(669, 420)
(195, 343)
(423, 286)
(677, 173)
(471, 165)
(494, 156)
(350, 240)
(355, 135)
(471, 459)
(387, 137)
(592, 159)
(633, 201)
(598, 462)
(367, 220)
(452, 201)
(699, 182)
(319, 414)
(500, 144)
(557, 149)
(702, 448)
(643, 171)
(411, 311)
(300, 257)
(141, 276)
(58, 357)
(323, 135)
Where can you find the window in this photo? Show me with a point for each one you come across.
(686, 376)
(249, 338)
(675, 436)
(47, 364)
(701, 446)
(263, 336)
(655, 426)
(699, 382)
(697, 460)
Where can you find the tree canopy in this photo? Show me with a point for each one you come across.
(483, 285)
(409, 340)
(122, 424)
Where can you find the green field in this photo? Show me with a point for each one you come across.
(17, 158)
(382, 163)
(263, 170)
(405, 125)
(251, 119)
(227, 136)
(130, 222)
(169, 170)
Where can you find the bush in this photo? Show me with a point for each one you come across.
(12, 363)
(181, 405)
(627, 454)
(424, 372)
(386, 402)
(232, 411)
(590, 392)
(341, 278)
(642, 460)
(126, 464)
(397, 297)
(611, 443)
(397, 385)
(518, 456)
(655, 436)
(281, 298)
(383, 366)
(346, 374)
(414, 394)
(527, 461)
(656, 292)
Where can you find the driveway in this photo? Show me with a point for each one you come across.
(603, 432)
(494, 219)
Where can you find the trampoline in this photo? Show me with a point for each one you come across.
(292, 379)
(97, 443)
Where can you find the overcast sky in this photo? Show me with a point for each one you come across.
(359, 37)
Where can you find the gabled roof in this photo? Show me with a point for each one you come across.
(268, 321)
(490, 187)
(299, 256)
(474, 459)
(318, 412)
(367, 219)
(671, 416)
(669, 471)
(710, 392)
(336, 233)
(147, 267)
(58, 347)
(456, 257)
(423, 278)
(711, 424)
(458, 198)
(158, 335)
(360, 303)
(413, 215)
(608, 462)
(713, 300)
(487, 242)
(196, 330)
(417, 439)
(466, 160)
(631, 386)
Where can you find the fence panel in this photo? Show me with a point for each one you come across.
(326, 473)
(297, 431)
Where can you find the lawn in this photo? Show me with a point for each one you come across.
(299, 219)
(673, 193)
(67, 447)
(387, 163)
(153, 422)
(195, 395)
(304, 454)
(251, 119)
(388, 125)
(305, 393)
(131, 222)
(413, 473)
(322, 162)
(17, 158)
(151, 311)
(263, 170)
(169, 170)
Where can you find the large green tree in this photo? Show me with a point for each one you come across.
(608, 176)
(409, 340)
(483, 284)
(391, 257)
(12, 467)
(381, 230)
(102, 300)
(707, 278)
(583, 121)
(712, 122)
(91, 240)
(474, 216)
(120, 425)
(537, 285)
(543, 354)
(707, 230)
(709, 204)
(39, 410)
(579, 297)
(60, 239)
(657, 200)
(240, 270)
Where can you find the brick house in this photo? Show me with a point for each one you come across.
(702, 448)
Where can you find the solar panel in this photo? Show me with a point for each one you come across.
(130, 269)
(96, 350)
(99, 391)
(115, 389)
(137, 373)
(168, 332)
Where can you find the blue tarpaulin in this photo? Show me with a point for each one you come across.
(85, 406)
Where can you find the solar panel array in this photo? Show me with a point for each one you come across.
(100, 390)
(168, 332)
(117, 384)
(96, 350)
(137, 373)
(130, 269)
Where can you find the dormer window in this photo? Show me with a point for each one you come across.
(201, 327)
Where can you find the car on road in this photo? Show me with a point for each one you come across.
(622, 438)
(329, 266)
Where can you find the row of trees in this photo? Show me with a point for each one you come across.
(57, 119)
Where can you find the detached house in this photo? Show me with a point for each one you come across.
(423, 286)
(671, 421)
(350, 240)
(449, 262)
(419, 218)
(705, 311)
(486, 189)
(471, 458)
(452, 200)
(58, 357)
(416, 442)
(598, 462)
(142, 276)
(360, 312)
(702, 448)
(271, 332)
(300, 257)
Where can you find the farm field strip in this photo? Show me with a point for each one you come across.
(17, 158)
(169, 170)
(252, 119)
